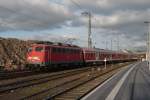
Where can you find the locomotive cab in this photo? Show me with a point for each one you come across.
(36, 55)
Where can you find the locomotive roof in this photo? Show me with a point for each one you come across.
(47, 43)
(55, 44)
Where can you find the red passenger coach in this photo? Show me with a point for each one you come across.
(50, 54)
(89, 55)
(97, 56)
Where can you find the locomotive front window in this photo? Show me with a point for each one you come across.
(30, 50)
(39, 49)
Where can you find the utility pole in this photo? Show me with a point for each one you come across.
(111, 53)
(89, 28)
(106, 45)
(118, 47)
(148, 43)
(111, 47)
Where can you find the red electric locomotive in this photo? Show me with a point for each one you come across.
(50, 55)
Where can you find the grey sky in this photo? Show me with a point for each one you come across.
(124, 17)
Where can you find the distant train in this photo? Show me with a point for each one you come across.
(48, 55)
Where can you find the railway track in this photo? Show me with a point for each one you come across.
(74, 90)
(15, 74)
(80, 90)
(8, 86)
(55, 86)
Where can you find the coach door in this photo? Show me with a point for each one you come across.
(97, 55)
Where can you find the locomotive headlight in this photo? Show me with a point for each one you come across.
(36, 58)
(29, 58)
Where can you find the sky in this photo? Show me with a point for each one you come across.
(62, 21)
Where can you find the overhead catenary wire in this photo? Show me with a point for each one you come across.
(76, 4)
(62, 4)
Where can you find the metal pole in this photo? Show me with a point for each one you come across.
(89, 28)
(89, 31)
(111, 53)
(118, 42)
(111, 44)
(148, 43)
(106, 45)
(105, 60)
(105, 64)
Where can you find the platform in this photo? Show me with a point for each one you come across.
(130, 83)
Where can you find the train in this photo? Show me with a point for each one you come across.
(48, 55)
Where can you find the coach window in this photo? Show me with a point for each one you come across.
(67, 50)
(74, 51)
(71, 50)
(39, 49)
(64, 50)
(47, 48)
(77, 51)
(59, 50)
(54, 49)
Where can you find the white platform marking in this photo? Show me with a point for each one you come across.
(96, 89)
(116, 89)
